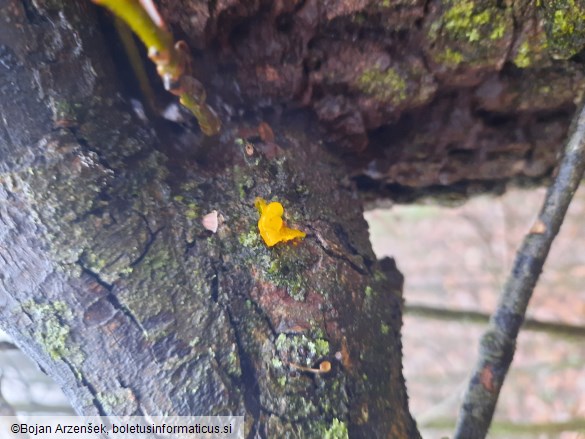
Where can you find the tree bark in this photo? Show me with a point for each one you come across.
(111, 283)
(439, 98)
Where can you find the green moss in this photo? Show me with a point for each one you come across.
(63, 110)
(321, 347)
(280, 342)
(384, 85)
(564, 22)
(94, 262)
(337, 430)
(243, 179)
(294, 284)
(532, 50)
(300, 349)
(369, 292)
(281, 265)
(233, 364)
(464, 20)
(250, 239)
(52, 330)
(450, 57)
(384, 328)
(191, 212)
(55, 339)
(380, 276)
(301, 407)
(273, 268)
(470, 31)
(126, 271)
(565, 27)
(522, 58)
(187, 205)
(158, 261)
(113, 401)
(498, 30)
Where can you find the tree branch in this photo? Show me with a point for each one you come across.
(498, 343)
(504, 428)
(562, 330)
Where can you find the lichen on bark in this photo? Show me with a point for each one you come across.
(102, 220)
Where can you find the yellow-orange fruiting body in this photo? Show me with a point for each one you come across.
(271, 226)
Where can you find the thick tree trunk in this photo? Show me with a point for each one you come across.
(446, 98)
(111, 283)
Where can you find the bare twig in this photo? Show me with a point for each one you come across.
(508, 429)
(499, 341)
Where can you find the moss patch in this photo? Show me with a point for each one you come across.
(112, 402)
(386, 85)
(470, 31)
(522, 58)
(465, 20)
(283, 265)
(450, 57)
(300, 349)
(532, 50)
(52, 330)
(337, 430)
(564, 26)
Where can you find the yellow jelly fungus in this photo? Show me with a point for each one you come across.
(271, 226)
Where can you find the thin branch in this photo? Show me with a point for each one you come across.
(499, 341)
(550, 328)
(507, 429)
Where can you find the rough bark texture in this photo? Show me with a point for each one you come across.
(421, 97)
(110, 282)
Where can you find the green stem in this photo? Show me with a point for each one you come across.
(171, 60)
(154, 37)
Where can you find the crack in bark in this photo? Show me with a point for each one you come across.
(111, 297)
(90, 388)
(95, 276)
(149, 243)
(32, 13)
(126, 311)
(215, 285)
(82, 141)
(249, 379)
(322, 242)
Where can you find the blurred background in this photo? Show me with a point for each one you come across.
(455, 260)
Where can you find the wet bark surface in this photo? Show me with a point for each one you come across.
(440, 97)
(112, 284)
(108, 278)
